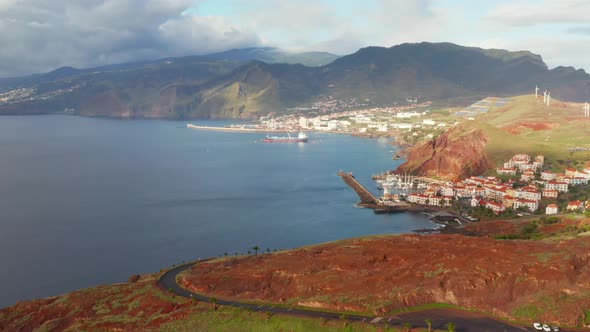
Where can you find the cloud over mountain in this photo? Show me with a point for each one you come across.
(40, 35)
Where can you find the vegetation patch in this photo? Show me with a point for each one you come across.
(528, 311)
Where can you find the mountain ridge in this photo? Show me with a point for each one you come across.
(224, 85)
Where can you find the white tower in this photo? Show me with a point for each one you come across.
(536, 92)
(545, 97)
(587, 110)
(548, 98)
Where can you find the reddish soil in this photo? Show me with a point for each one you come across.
(501, 227)
(521, 280)
(130, 307)
(452, 155)
(491, 228)
(523, 126)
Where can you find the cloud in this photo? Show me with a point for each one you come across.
(343, 27)
(532, 13)
(41, 35)
(555, 53)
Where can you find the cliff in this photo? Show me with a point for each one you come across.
(458, 153)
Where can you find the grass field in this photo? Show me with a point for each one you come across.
(528, 126)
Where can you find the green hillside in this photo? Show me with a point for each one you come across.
(528, 126)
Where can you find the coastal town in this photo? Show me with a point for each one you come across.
(415, 119)
(522, 184)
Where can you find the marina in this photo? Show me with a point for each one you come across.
(391, 206)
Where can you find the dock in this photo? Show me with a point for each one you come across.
(366, 197)
(236, 129)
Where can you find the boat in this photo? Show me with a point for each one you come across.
(301, 138)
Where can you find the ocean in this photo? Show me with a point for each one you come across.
(86, 201)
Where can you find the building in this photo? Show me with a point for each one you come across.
(571, 172)
(575, 206)
(530, 205)
(496, 207)
(551, 209)
(418, 199)
(447, 191)
(506, 171)
(407, 126)
(527, 176)
(333, 124)
(508, 201)
(556, 185)
(528, 193)
(550, 193)
(303, 122)
(406, 115)
(576, 180)
(434, 200)
(548, 175)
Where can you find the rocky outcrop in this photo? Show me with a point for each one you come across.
(458, 153)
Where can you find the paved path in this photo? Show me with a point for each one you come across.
(464, 320)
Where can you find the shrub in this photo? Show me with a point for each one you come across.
(529, 229)
(550, 220)
(507, 237)
(134, 278)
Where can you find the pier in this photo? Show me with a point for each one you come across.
(236, 129)
(366, 197)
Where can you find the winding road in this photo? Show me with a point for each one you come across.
(464, 320)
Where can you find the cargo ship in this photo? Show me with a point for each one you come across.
(301, 138)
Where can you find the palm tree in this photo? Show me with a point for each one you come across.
(429, 323)
(255, 248)
(451, 327)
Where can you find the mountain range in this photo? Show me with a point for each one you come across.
(247, 83)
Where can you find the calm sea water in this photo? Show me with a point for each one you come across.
(91, 201)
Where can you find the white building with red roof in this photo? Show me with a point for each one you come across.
(529, 204)
(550, 193)
(548, 175)
(496, 207)
(551, 209)
(557, 185)
(575, 206)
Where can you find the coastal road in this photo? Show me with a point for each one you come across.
(464, 320)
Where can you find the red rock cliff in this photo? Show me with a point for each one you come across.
(457, 153)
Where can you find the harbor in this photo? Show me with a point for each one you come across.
(390, 204)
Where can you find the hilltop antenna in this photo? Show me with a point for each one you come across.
(548, 98)
(536, 92)
(545, 97)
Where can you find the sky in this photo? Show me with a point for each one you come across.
(41, 35)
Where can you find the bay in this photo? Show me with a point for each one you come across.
(87, 201)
